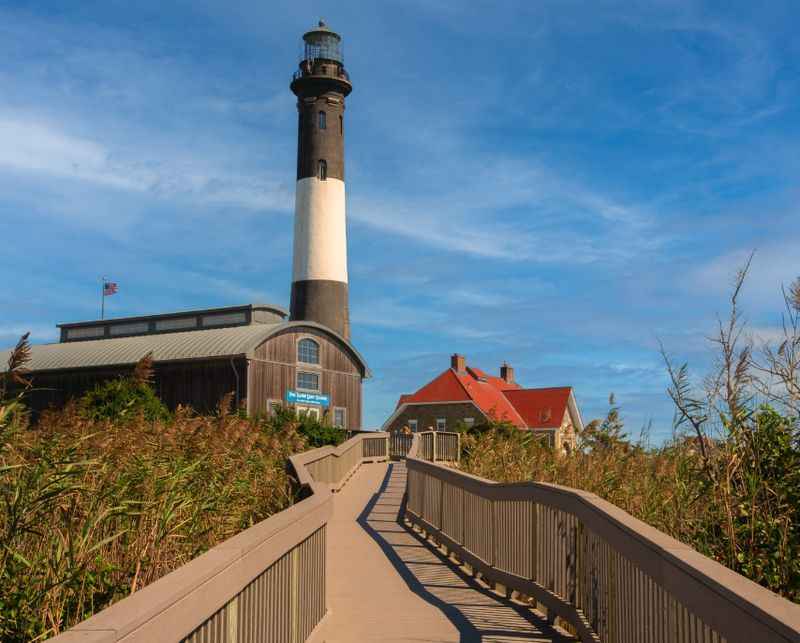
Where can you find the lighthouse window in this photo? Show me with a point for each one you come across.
(341, 125)
(308, 351)
(323, 170)
(308, 381)
(323, 121)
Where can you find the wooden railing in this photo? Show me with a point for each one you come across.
(266, 584)
(610, 576)
(399, 444)
(439, 446)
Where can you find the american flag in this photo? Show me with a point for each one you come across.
(109, 288)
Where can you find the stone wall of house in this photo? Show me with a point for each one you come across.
(565, 438)
(426, 415)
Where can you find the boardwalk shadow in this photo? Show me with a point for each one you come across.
(478, 614)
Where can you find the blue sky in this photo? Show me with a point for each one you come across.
(555, 184)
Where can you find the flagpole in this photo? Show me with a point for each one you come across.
(102, 298)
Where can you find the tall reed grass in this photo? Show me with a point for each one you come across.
(93, 508)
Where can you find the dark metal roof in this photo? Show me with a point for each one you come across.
(236, 341)
(278, 310)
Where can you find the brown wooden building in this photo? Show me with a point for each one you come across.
(202, 355)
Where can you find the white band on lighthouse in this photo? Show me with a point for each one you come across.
(320, 233)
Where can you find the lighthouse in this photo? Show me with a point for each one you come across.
(319, 271)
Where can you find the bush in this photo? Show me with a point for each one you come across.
(122, 400)
(318, 434)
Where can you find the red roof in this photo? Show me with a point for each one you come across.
(489, 399)
(496, 398)
(541, 407)
(498, 382)
(444, 388)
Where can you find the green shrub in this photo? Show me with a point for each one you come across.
(319, 434)
(123, 399)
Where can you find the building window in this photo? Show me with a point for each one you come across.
(308, 351)
(307, 411)
(308, 381)
(469, 422)
(341, 125)
(441, 424)
(413, 425)
(340, 417)
(322, 170)
(323, 120)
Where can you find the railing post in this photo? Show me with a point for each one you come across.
(441, 506)
(295, 595)
(435, 440)
(232, 615)
(535, 541)
(386, 448)
(493, 534)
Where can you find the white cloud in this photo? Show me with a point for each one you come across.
(38, 147)
(772, 266)
(515, 211)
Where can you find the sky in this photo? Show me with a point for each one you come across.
(561, 185)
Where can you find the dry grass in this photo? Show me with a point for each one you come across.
(93, 510)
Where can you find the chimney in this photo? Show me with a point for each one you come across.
(458, 363)
(507, 373)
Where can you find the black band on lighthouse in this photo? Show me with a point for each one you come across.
(325, 302)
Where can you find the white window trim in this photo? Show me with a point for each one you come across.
(297, 351)
(413, 425)
(307, 372)
(444, 424)
(308, 409)
(343, 409)
(305, 365)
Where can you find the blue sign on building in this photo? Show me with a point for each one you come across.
(299, 397)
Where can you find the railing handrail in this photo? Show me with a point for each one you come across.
(173, 606)
(700, 582)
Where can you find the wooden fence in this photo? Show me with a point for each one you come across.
(611, 577)
(266, 584)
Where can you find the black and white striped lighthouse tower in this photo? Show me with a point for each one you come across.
(319, 277)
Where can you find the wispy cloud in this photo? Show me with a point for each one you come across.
(42, 148)
(515, 211)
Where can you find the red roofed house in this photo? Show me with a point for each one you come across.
(463, 394)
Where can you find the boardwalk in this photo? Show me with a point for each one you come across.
(385, 584)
